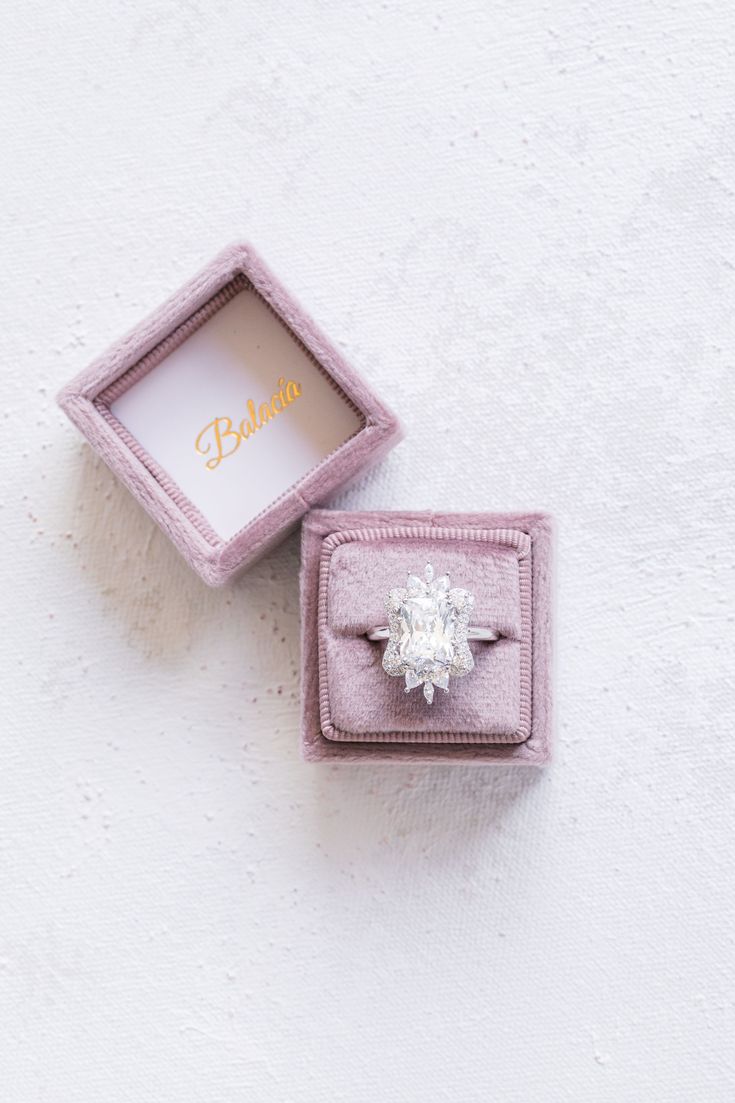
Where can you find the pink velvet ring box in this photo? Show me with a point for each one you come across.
(352, 710)
(228, 414)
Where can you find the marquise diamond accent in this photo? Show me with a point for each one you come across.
(428, 623)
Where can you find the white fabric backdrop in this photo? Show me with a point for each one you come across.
(517, 220)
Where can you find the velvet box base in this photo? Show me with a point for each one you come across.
(352, 711)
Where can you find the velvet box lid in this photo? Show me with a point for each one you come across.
(228, 414)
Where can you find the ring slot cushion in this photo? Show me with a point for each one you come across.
(359, 701)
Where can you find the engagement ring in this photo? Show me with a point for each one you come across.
(428, 632)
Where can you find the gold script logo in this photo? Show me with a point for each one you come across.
(222, 437)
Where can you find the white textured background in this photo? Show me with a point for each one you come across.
(517, 220)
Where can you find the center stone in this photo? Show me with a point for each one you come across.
(426, 640)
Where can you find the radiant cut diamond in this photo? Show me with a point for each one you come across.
(428, 633)
(426, 641)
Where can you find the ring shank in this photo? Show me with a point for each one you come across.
(382, 632)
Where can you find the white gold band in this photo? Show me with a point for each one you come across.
(487, 634)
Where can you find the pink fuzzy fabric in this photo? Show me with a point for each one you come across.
(352, 710)
(85, 402)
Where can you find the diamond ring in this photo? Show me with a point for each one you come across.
(428, 632)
